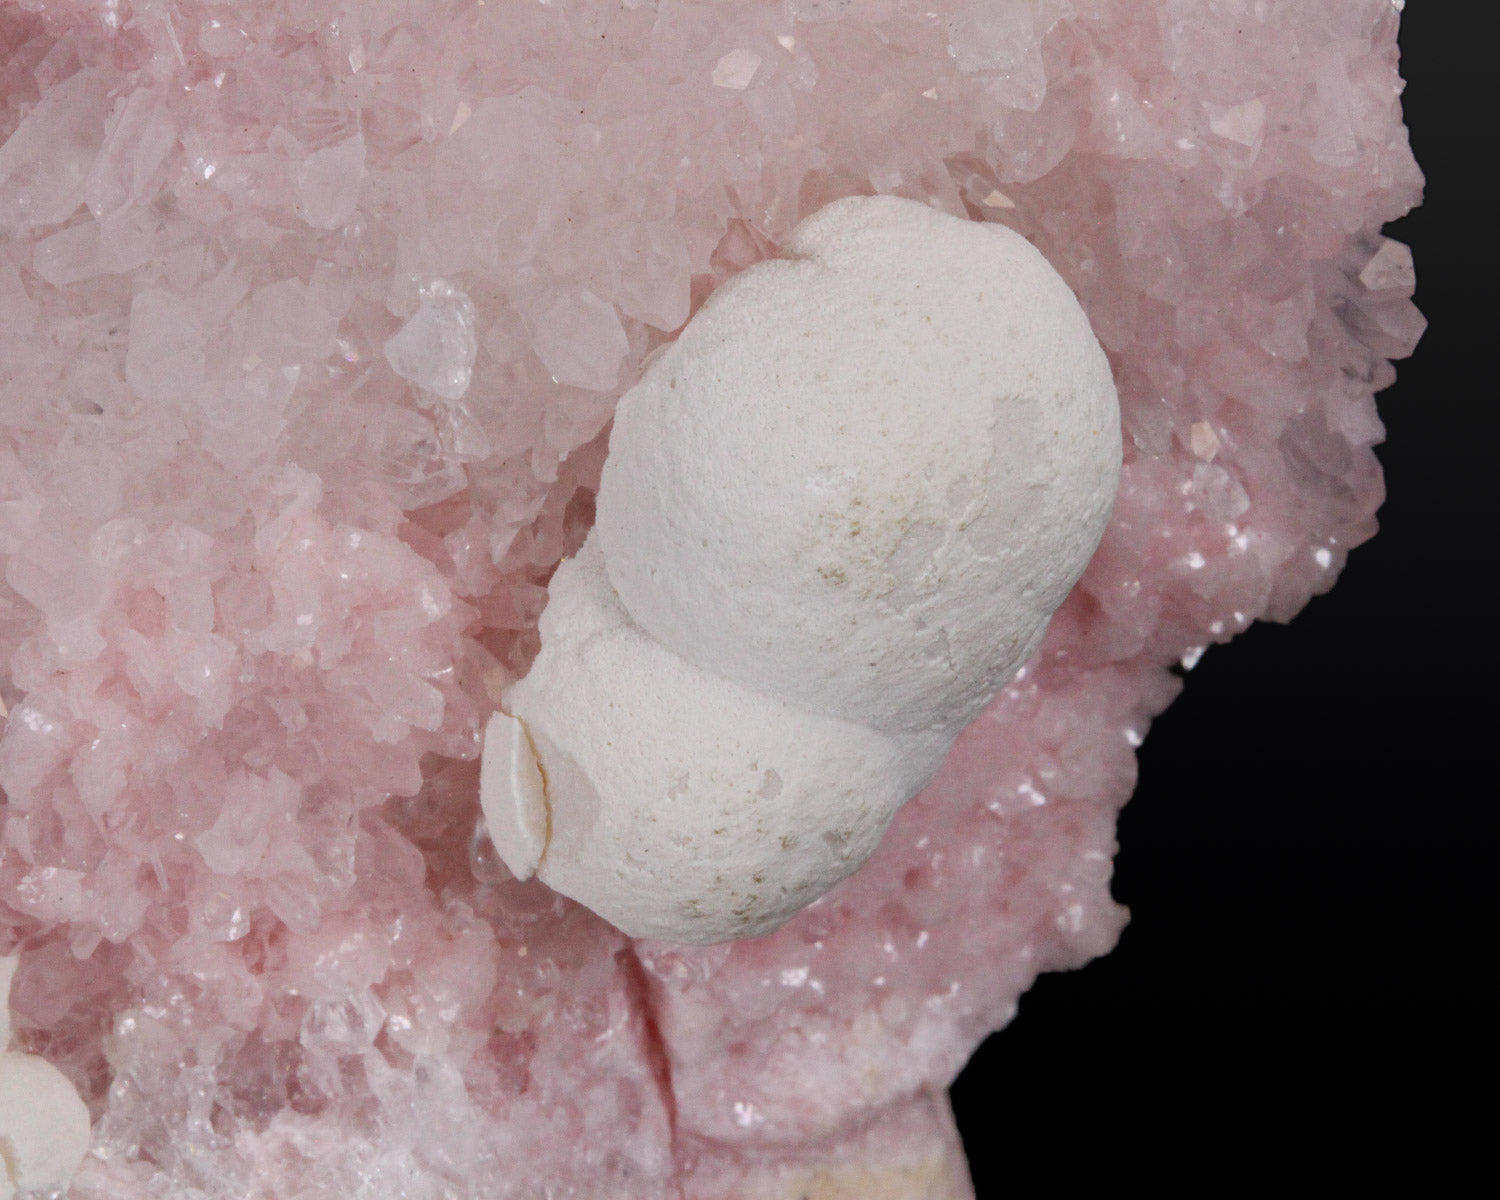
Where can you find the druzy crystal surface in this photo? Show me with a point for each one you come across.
(313, 314)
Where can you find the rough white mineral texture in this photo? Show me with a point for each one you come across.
(681, 805)
(868, 472)
(313, 319)
(837, 514)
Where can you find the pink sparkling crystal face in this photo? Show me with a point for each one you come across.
(312, 319)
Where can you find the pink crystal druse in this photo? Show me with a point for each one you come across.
(312, 320)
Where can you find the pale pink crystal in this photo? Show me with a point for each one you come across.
(312, 319)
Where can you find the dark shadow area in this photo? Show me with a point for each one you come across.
(1299, 1043)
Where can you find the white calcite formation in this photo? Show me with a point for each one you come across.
(837, 514)
(44, 1123)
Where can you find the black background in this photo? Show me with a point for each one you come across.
(1302, 994)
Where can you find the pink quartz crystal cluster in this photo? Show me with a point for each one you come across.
(312, 317)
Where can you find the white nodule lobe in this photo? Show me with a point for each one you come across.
(685, 806)
(44, 1123)
(513, 795)
(863, 477)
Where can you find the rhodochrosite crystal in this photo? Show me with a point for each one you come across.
(313, 315)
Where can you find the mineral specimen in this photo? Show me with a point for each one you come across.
(313, 317)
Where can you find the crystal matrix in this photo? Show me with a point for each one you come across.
(312, 319)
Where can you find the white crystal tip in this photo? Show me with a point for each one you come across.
(513, 795)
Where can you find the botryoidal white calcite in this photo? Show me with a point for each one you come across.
(44, 1124)
(836, 517)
